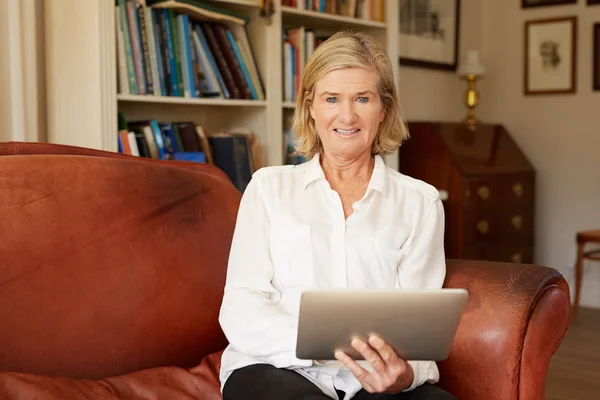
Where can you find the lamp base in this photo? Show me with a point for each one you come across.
(471, 100)
(471, 121)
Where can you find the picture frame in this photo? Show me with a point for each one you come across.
(429, 34)
(550, 56)
(596, 55)
(546, 3)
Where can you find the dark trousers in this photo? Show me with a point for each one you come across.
(265, 382)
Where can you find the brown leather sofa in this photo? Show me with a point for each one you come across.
(113, 269)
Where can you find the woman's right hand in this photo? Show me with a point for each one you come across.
(391, 374)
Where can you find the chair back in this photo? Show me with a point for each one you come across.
(110, 263)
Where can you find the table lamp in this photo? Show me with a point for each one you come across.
(471, 70)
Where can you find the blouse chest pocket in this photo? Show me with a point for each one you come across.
(385, 261)
(291, 253)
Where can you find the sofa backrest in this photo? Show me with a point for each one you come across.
(109, 264)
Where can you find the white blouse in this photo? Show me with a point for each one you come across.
(291, 235)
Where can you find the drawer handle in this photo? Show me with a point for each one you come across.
(517, 258)
(483, 192)
(483, 227)
(517, 222)
(518, 189)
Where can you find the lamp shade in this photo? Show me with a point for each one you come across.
(471, 65)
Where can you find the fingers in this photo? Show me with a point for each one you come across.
(389, 368)
(370, 355)
(386, 352)
(359, 372)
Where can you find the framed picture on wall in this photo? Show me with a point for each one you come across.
(550, 55)
(596, 62)
(545, 3)
(429, 33)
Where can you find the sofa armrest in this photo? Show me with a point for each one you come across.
(173, 383)
(514, 321)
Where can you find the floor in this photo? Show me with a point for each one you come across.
(574, 372)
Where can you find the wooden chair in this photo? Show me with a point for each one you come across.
(583, 238)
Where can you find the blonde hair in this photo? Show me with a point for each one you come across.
(348, 49)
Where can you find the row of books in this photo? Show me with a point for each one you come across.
(298, 45)
(184, 48)
(236, 152)
(371, 10)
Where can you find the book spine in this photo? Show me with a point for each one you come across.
(209, 83)
(176, 51)
(222, 62)
(166, 25)
(136, 47)
(185, 72)
(242, 64)
(123, 77)
(197, 73)
(185, 31)
(133, 86)
(143, 32)
(205, 50)
(232, 61)
(156, 34)
(154, 54)
(244, 45)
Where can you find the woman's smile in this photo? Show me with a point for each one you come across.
(345, 133)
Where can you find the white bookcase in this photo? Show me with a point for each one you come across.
(81, 55)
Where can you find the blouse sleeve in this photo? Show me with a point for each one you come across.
(423, 266)
(249, 316)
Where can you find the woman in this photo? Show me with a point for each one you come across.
(341, 220)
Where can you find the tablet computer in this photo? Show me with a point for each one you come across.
(418, 324)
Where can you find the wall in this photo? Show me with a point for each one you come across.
(6, 51)
(559, 133)
(433, 94)
(80, 72)
(22, 83)
(4, 78)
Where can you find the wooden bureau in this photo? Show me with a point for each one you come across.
(490, 185)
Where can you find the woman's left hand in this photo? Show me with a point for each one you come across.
(391, 374)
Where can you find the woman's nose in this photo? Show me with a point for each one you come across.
(348, 114)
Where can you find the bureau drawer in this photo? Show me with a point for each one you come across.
(501, 252)
(499, 190)
(511, 224)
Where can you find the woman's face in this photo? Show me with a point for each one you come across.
(347, 111)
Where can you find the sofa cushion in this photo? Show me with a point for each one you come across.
(198, 383)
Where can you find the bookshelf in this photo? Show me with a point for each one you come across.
(83, 99)
(136, 98)
(316, 19)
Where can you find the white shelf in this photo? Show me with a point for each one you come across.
(246, 3)
(289, 104)
(187, 101)
(294, 16)
(223, 4)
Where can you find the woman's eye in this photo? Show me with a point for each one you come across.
(363, 99)
(331, 99)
